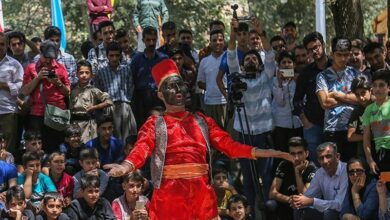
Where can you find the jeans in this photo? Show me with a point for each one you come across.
(263, 167)
(313, 137)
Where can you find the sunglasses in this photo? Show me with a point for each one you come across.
(354, 172)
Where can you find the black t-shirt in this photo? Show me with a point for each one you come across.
(43, 216)
(4, 215)
(356, 119)
(285, 171)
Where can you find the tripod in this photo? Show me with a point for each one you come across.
(259, 208)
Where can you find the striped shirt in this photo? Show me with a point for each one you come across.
(118, 83)
(11, 72)
(258, 96)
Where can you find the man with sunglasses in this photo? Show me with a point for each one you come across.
(324, 197)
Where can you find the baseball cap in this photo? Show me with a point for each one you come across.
(49, 49)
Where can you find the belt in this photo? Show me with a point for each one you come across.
(81, 117)
(185, 171)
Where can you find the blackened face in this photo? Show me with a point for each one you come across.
(174, 90)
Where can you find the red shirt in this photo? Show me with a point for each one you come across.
(52, 93)
(97, 12)
(65, 186)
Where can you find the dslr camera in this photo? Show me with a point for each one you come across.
(238, 86)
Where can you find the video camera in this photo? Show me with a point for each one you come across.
(240, 19)
(238, 86)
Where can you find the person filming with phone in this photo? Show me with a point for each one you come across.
(46, 82)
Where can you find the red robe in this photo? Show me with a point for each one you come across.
(184, 199)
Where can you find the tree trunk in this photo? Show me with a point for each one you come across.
(348, 18)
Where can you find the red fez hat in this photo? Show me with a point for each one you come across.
(163, 70)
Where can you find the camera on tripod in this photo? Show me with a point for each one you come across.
(238, 86)
(241, 18)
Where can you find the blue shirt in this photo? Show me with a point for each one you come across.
(370, 203)
(7, 172)
(114, 152)
(328, 191)
(43, 185)
(141, 67)
(224, 65)
(336, 119)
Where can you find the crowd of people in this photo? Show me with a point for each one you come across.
(135, 128)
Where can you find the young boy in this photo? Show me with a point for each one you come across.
(16, 205)
(223, 190)
(85, 100)
(63, 181)
(52, 205)
(125, 207)
(110, 148)
(35, 184)
(71, 148)
(89, 161)
(362, 89)
(117, 81)
(33, 143)
(238, 207)
(376, 123)
(90, 205)
(4, 154)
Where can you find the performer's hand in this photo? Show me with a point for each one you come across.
(116, 170)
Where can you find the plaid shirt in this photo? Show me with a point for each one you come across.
(70, 65)
(118, 83)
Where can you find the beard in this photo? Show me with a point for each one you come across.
(251, 68)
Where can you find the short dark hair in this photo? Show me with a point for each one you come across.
(32, 135)
(219, 170)
(216, 32)
(134, 176)
(324, 145)
(149, 30)
(277, 38)
(89, 153)
(36, 39)
(371, 47)
(16, 34)
(297, 142)
(89, 180)
(95, 34)
(52, 31)
(285, 54)
(79, 65)
(243, 27)
(121, 32)
(341, 44)
(381, 75)
(216, 22)
(74, 129)
(313, 36)
(15, 192)
(52, 195)
(176, 50)
(237, 198)
(357, 43)
(30, 156)
(85, 47)
(254, 52)
(360, 82)
(290, 24)
(169, 25)
(185, 31)
(104, 24)
(104, 119)
(2, 136)
(113, 46)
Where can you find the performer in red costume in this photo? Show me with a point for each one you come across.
(179, 143)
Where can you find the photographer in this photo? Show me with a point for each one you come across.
(52, 78)
(257, 100)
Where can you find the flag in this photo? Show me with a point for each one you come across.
(112, 3)
(1, 17)
(57, 19)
